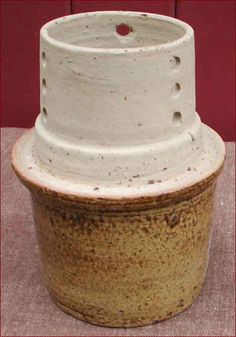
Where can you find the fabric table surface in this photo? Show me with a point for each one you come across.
(27, 310)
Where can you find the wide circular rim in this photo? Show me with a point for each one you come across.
(168, 45)
(31, 178)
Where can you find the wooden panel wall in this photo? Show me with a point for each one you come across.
(165, 7)
(21, 22)
(214, 27)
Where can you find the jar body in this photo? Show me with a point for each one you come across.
(124, 268)
(120, 168)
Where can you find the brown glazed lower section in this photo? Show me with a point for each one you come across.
(124, 263)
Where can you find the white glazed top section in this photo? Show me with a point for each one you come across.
(123, 96)
(118, 112)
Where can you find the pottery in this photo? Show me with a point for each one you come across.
(120, 167)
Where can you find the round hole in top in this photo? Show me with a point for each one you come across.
(123, 29)
(177, 117)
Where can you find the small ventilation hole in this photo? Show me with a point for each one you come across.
(175, 63)
(177, 60)
(43, 59)
(176, 90)
(44, 86)
(177, 117)
(177, 86)
(45, 114)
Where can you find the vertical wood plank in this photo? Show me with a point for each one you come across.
(21, 22)
(165, 7)
(214, 26)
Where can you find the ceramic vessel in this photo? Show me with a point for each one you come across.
(120, 168)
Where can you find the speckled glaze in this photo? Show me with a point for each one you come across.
(120, 168)
(124, 263)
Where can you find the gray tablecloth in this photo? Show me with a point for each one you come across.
(27, 309)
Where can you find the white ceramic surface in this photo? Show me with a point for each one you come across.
(118, 112)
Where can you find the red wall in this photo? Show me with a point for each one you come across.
(213, 22)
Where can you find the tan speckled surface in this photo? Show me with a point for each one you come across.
(27, 309)
(124, 268)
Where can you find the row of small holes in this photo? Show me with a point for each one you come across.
(44, 85)
(177, 116)
(122, 30)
